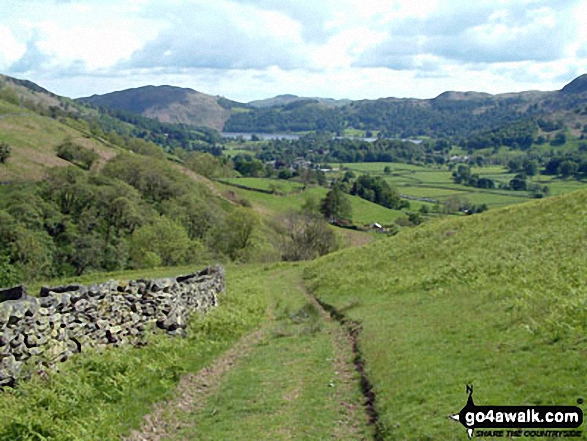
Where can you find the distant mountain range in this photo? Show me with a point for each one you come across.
(449, 114)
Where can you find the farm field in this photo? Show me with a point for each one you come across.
(364, 212)
(436, 183)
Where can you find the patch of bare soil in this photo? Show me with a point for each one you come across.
(192, 392)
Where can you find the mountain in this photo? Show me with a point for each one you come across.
(170, 105)
(577, 86)
(450, 114)
(282, 100)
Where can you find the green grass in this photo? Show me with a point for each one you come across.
(435, 182)
(33, 153)
(364, 212)
(279, 185)
(496, 299)
(287, 387)
(100, 394)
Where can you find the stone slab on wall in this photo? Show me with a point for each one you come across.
(64, 320)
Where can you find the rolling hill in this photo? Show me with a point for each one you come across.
(169, 104)
(26, 125)
(451, 113)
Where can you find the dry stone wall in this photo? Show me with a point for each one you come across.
(43, 331)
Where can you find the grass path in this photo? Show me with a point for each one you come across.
(293, 378)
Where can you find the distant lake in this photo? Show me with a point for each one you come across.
(290, 137)
(262, 136)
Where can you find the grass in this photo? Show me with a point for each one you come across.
(102, 394)
(435, 182)
(279, 185)
(364, 212)
(287, 387)
(33, 154)
(496, 299)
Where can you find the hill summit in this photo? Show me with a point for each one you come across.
(578, 85)
(169, 104)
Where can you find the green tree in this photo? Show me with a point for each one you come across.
(234, 236)
(307, 237)
(74, 153)
(336, 206)
(5, 151)
(567, 168)
(9, 275)
(165, 241)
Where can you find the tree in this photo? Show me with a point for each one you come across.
(307, 237)
(165, 239)
(335, 206)
(9, 275)
(234, 235)
(387, 170)
(5, 151)
(518, 183)
(71, 152)
(567, 168)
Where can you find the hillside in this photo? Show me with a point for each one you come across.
(496, 300)
(449, 114)
(169, 104)
(34, 138)
(281, 100)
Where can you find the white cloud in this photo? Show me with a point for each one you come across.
(222, 34)
(10, 49)
(249, 49)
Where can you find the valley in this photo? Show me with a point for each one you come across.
(368, 282)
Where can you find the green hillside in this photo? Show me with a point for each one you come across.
(497, 300)
(34, 139)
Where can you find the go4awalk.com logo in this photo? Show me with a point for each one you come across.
(518, 421)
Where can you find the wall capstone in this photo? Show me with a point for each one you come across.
(43, 331)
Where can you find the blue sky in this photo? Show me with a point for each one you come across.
(253, 49)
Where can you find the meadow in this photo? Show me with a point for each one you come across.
(363, 212)
(436, 182)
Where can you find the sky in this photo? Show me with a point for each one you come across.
(254, 49)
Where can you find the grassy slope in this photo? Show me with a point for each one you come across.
(364, 212)
(33, 139)
(287, 387)
(496, 299)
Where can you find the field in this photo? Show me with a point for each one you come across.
(278, 185)
(364, 212)
(436, 183)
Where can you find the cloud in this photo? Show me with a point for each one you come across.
(10, 49)
(31, 60)
(223, 35)
(479, 32)
(313, 17)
